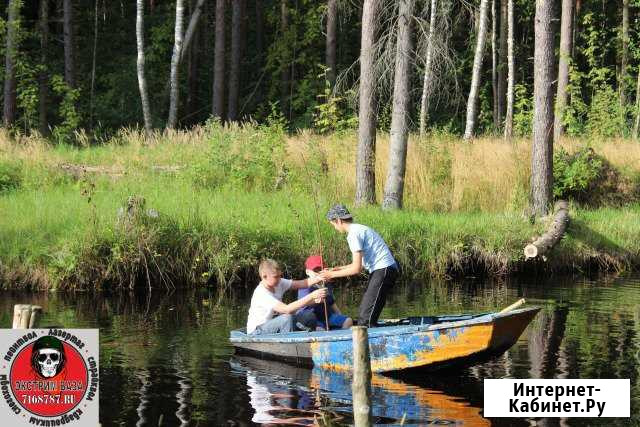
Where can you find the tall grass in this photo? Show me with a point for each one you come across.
(464, 205)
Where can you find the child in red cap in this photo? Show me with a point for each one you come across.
(313, 265)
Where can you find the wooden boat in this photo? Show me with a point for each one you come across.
(414, 342)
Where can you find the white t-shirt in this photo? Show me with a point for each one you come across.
(263, 301)
(375, 252)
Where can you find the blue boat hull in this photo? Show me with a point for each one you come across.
(418, 342)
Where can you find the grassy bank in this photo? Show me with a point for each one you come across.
(220, 211)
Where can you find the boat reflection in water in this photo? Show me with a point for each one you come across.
(285, 394)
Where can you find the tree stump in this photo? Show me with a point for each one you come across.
(548, 240)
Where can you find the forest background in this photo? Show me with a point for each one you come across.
(249, 103)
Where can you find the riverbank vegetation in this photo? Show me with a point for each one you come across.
(203, 206)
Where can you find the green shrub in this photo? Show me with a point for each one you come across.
(246, 156)
(606, 117)
(10, 176)
(523, 111)
(590, 179)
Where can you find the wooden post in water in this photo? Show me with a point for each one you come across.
(26, 316)
(361, 386)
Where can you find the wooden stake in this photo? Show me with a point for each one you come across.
(36, 314)
(17, 311)
(361, 386)
(26, 316)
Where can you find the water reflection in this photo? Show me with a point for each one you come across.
(285, 394)
(165, 358)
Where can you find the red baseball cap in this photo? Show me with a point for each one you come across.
(313, 262)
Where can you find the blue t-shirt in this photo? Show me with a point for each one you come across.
(318, 309)
(375, 252)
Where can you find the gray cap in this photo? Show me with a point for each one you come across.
(338, 212)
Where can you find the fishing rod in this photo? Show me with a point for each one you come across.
(316, 208)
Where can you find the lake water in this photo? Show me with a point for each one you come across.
(165, 358)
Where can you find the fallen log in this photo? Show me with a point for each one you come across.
(114, 171)
(548, 240)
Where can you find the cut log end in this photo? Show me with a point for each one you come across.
(530, 251)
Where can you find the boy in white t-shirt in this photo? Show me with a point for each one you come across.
(266, 301)
(370, 251)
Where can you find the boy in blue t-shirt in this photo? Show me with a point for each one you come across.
(314, 265)
(368, 251)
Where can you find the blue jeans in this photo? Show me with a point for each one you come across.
(286, 323)
(279, 324)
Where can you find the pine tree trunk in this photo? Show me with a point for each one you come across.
(502, 61)
(625, 53)
(174, 97)
(542, 150)
(366, 156)
(576, 26)
(394, 187)
(472, 102)
(237, 29)
(562, 95)
(426, 83)
(285, 78)
(192, 28)
(43, 76)
(219, 62)
(93, 63)
(636, 127)
(494, 62)
(142, 81)
(332, 40)
(13, 16)
(511, 65)
(259, 57)
(69, 42)
(259, 28)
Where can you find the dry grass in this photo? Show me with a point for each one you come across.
(447, 174)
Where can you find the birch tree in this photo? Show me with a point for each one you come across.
(366, 155)
(219, 62)
(494, 62)
(69, 43)
(193, 63)
(394, 187)
(426, 83)
(192, 27)
(542, 149)
(511, 71)
(142, 81)
(237, 30)
(472, 102)
(562, 95)
(9, 110)
(174, 97)
(332, 40)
